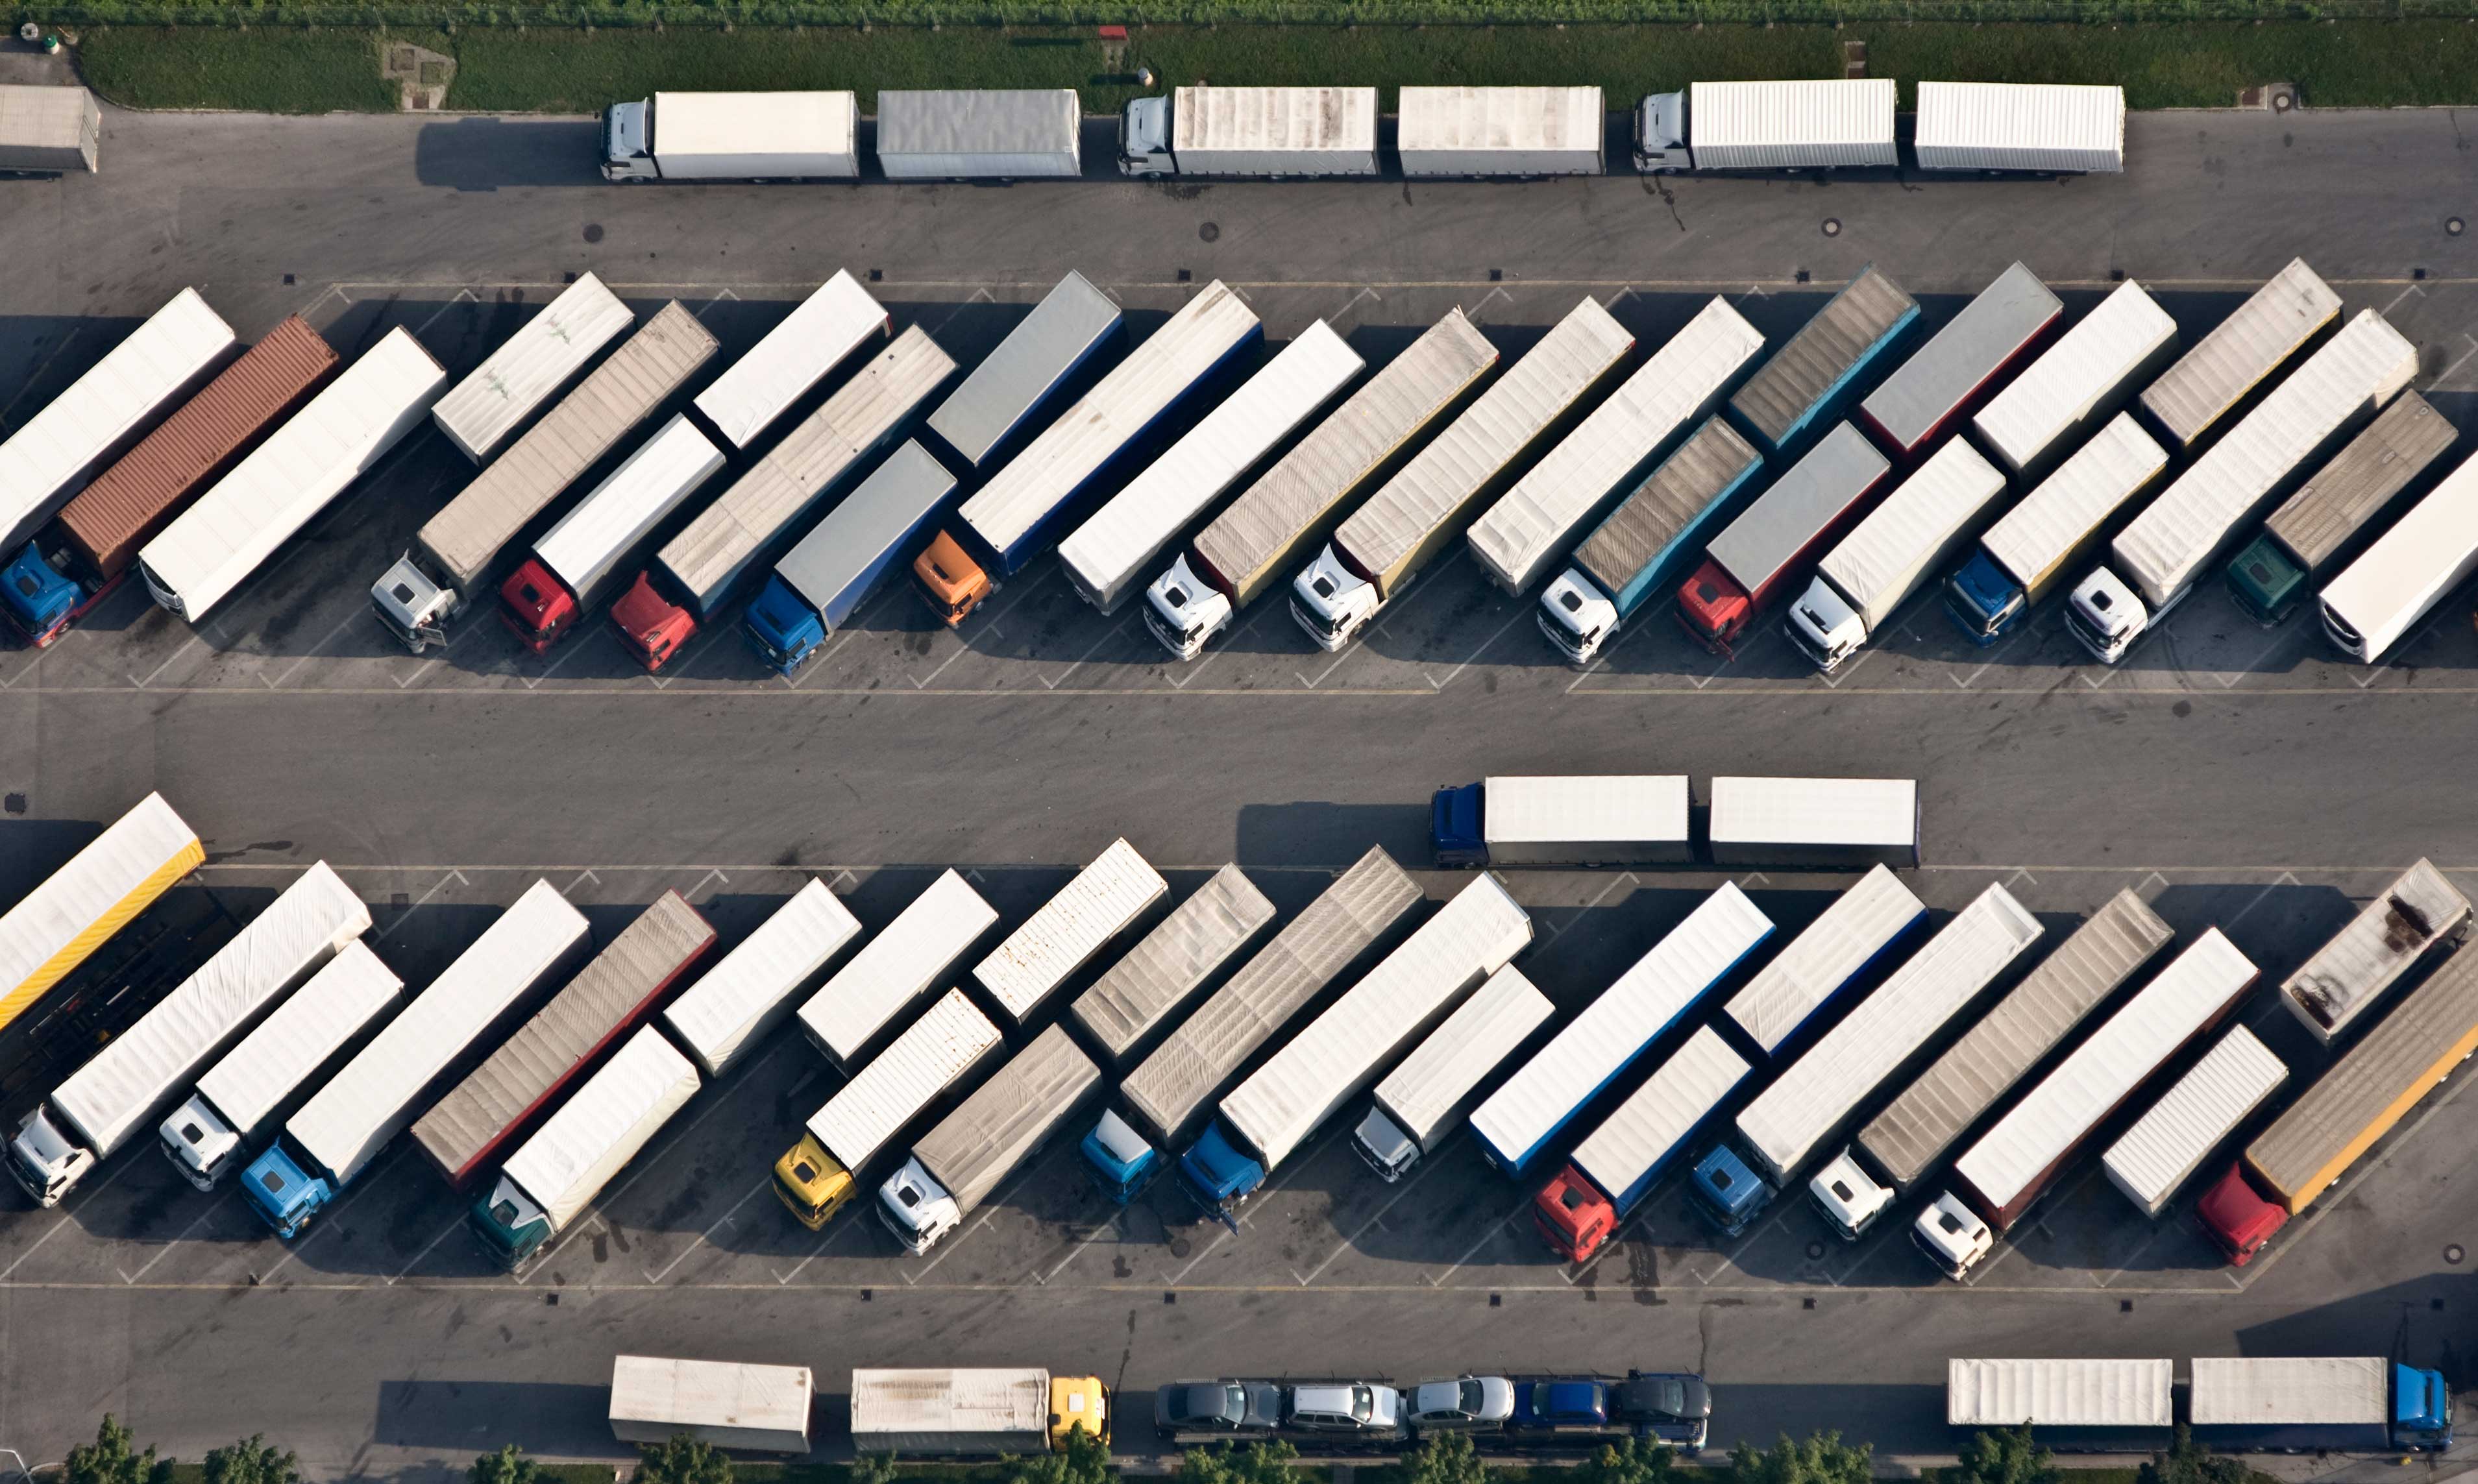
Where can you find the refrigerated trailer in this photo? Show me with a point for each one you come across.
(1251, 133)
(1618, 1163)
(2241, 352)
(1790, 125)
(732, 135)
(1863, 924)
(1035, 358)
(1635, 553)
(2359, 1403)
(78, 908)
(1478, 132)
(2315, 531)
(2373, 604)
(958, 1164)
(1758, 555)
(2155, 1158)
(2418, 913)
(984, 134)
(735, 1005)
(1818, 822)
(760, 1409)
(1917, 530)
(527, 370)
(838, 318)
(891, 970)
(1575, 819)
(1107, 897)
(1377, 551)
(451, 556)
(1942, 379)
(2044, 128)
(2077, 383)
(1294, 504)
(1140, 994)
(1823, 364)
(573, 565)
(2056, 526)
(48, 130)
(556, 1173)
(1420, 1103)
(952, 1413)
(823, 581)
(936, 1055)
(2115, 1406)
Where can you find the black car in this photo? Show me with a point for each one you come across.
(1675, 1407)
(1204, 1410)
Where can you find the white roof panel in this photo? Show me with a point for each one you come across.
(2021, 126)
(1208, 125)
(1815, 810)
(948, 1039)
(1105, 899)
(566, 1163)
(1754, 126)
(2294, 1391)
(1443, 1070)
(898, 966)
(2363, 960)
(1861, 925)
(299, 1035)
(1482, 131)
(648, 485)
(1634, 1142)
(2263, 332)
(733, 1004)
(530, 367)
(2074, 376)
(2425, 555)
(2059, 1393)
(1149, 985)
(79, 907)
(663, 1396)
(2070, 505)
(1552, 809)
(826, 327)
(1888, 552)
(2154, 1156)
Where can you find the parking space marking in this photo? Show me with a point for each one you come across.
(454, 1224)
(1730, 1259)
(212, 1207)
(1362, 1228)
(839, 1232)
(1113, 633)
(1436, 683)
(1485, 1239)
(1114, 1223)
(720, 1223)
(65, 1216)
(292, 1249)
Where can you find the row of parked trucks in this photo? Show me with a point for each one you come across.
(2235, 1405)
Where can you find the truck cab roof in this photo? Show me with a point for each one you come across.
(783, 626)
(38, 595)
(284, 1194)
(1727, 1190)
(653, 627)
(2238, 1217)
(1951, 1235)
(1982, 597)
(1571, 1215)
(1455, 825)
(1579, 612)
(1215, 1168)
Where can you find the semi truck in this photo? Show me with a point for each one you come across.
(1282, 1105)
(80, 558)
(1618, 1163)
(1480, 132)
(529, 368)
(558, 1171)
(1596, 1047)
(1293, 506)
(820, 332)
(206, 551)
(1905, 1140)
(699, 570)
(1381, 546)
(1105, 899)
(2010, 1166)
(1420, 1102)
(575, 564)
(124, 1088)
(951, 1413)
(48, 130)
(894, 968)
(1758, 555)
(1163, 1097)
(1517, 539)
(2039, 128)
(1572, 819)
(2241, 353)
(1850, 937)
(748, 1408)
(465, 1130)
(2109, 1406)
(1945, 377)
(732, 135)
(2154, 562)
(1137, 997)
(735, 1005)
(1070, 323)
(1635, 553)
(937, 1054)
(78, 908)
(1105, 558)
(1009, 519)
(2420, 912)
(451, 556)
(958, 1164)
(1918, 529)
(830, 573)
(2373, 604)
(1820, 823)
(979, 134)
(1826, 362)
(1801, 125)
(2079, 383)
(2316, 531)
(2020, 560)
(1250, 132)
(240, 1095)
(2282, 1404)
(2155, 1158)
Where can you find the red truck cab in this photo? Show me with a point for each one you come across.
(1572, 1216)
(651, 626)
(2236, 1216)
(537, 607)
(952, 582)
(1712, 608)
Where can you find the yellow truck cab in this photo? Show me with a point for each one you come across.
(813, 1185)
(1077, 1402)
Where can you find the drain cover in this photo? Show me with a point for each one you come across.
(2454, 226)
(1832, 226)
(2453, 1254)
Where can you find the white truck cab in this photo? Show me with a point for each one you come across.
(415, 605)
(1660, 134)
(1186, 612)
(1144, 138)
(627, 153)
(1331, 601)
(2106, 616)
(45, 1161)
(1952, 1236)
(1825, 627)
(916, 1208)
(199, 1143)
(1847, 1197)
(1575, 617)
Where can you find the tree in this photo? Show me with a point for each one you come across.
(1085, 1460)
(108, 1459)
(2188, 1462)
(1822, 1458)
(1261, 1463)
(508, 1466)
(682, 1460)
(865, 1469)
(2007, 1456)
(1635, 1461)
(1445, 1458)
(252, 1461)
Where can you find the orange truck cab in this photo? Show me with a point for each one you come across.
(1572, 1216)
(651, 627)
(953, 583)
(537, 607)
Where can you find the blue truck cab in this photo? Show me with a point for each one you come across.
(2421, 1409)
(284, 1195)
(39, 599)
(1217, 1175)
(782, 629)
(1454, 827)
(1118, 1159)
(1726, 1193)
(1984, 599)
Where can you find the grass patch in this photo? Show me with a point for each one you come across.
(282, 71)
(2340, 65)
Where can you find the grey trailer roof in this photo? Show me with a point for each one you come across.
(1011, 128)
(2025, 1026)
(989, 1133)
(2338, 500)
(1991, 330)
(854, 537)
(2241, 351)
(1770, 534)
(1665, 504)
(1822, 352)
(1061, 330)
(53, 120)
(1149, 985)
(2365, 958)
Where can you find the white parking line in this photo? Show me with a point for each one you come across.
(1097, 1234)
(457, 1223)
(1361, 1229)
(66, 1215)
(327, 1220)
(721, 1222)
(1486, 1237)
(1440, 685)
(1119, 628)
(842, 1230)
(161, 1252)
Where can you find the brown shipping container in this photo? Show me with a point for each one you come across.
(117, 513)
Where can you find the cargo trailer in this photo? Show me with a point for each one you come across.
(1608, 819)
(1905, 1140)
(2056, 526)
(2418, 913)
(1002, 1413)
(958, 1164)
(1823, 365)
(2376, 602)
(986, 134)
(699, 570)
(762, 1409)
(732, 135)
(2359, 1403)
(1819, 822)
(2241, 353)
(1420, 1103)
(1480, 132)
(529, 369)
(2316, 531)
(209, 549)
(1294, 504)
(451, 556)
(1381, 546)
(1945, 377)
(2040, 128)
(2109, 1406)
(335, 1136)
(1031, 364)
(1758, 555)
(937, 1054)
(2154, 561)
(891, 970)
(48, 130)
(1918, 530)
(823, 581)
(821, 332)
(1251, 133)
(1636, 552)
(78, 908)
(556, 1173)
(1105, 899)
(1596, 1047)
(1013, 517)
(575, 564)
(735, 1005)
(1618, 1163)
(2155, 1158)
(123, 1089)
(1790, 125)
(1282, 1104)
(2079, 383)
(1105, 558)
(1847, 939)
(1140, 994)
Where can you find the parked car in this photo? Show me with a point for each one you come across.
(1351, 1411)
(1465, 1404)
(1579, 1404)
(1208, 1410)
(1669, 1406)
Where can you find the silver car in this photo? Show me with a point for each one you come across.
(1471, 1403)
(1344, 1411)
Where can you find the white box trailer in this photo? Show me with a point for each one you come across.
(2077, 383)
(987, 133)
(2056, 525)
(2239, 354)
(1820, 823)
(762, 1409)
(48, 130)
(2115, 1405)
(1139, 994)
(1517, 539)
(2420, 911)
(1500, 130)
(1420, 1103)
(901, 963)
(1107, 897)
(196, 561)
(237, 1096)
(1861, 927)
(124, 1088)
(1634, 1143)
(1789, 125)
(951, 1412)
(1260, 133)
(558, 1171)
(1918, 530)
(2164, 1148)
(951, 1041)
(1577, 820)
(1596, 1047)
(1787, 1121)
(577, 562)
(495, 399)
(79, 907)
(2378, 598)
(2051, 128)
(733, 135)
(958, 1164)
(1042, 351)
(736, 1003)
(48, 459)
(1105, 558)
(832, 322)
(2319, 1404)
